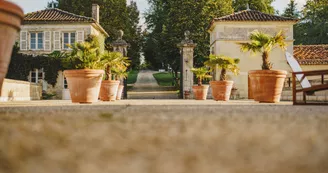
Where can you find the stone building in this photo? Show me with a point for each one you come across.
(53, 29)
(228, 30)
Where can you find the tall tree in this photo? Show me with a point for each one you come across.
(134, 34)
(313, 28)
(291, 10)
(259, 5)
(167, 21)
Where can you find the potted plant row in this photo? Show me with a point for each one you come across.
(221, 90)
(266, 84)
(11, 17)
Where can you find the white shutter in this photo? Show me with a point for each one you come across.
(57, 45)
(47, 40)
(80, 36)
(23, 40)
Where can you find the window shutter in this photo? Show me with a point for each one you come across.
(80, 36)
(57, 45)
(47, 40)
(23, 40)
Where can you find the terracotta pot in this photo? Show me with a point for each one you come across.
(11, 17)
(267, 85)
(108, 90)
(119, 92)
(200, 92)
(84, 85)
(221, 90)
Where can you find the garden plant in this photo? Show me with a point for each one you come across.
(200, 91)
(266, 84)
(221, 90)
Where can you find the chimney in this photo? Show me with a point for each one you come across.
(95, 12)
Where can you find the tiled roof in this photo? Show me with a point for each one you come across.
(55, 15)
(311, 54)
(252, 15)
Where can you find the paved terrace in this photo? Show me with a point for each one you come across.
(163, 136)
(163, 107)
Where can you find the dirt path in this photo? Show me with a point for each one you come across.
(147, 87)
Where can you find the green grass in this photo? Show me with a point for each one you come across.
(132, 77)
(164, 79)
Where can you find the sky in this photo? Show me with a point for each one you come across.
(35, 5)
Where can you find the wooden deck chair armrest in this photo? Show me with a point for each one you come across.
(312, 73)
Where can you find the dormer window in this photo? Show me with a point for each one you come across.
(36, 40)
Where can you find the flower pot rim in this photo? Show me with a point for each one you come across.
(221, 81)
(110, 81)
(84, 70)
(268, 72)
(12, 8)
(202, 86)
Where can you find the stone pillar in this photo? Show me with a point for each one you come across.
(121, 46)
(187, 47)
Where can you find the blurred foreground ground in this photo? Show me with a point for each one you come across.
(163, 136)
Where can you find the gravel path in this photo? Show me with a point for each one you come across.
(147, 87)
(145, 82)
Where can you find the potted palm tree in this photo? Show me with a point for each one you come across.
(266, 84)
(200, 90)
(120, 75)
(85, 76)
(113, 62)
(109, 86)
(11, 17)
(221, 89)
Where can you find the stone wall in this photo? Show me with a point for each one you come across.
(14, 90)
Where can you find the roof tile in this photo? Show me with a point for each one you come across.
(311, 54)
(55, 15)
(252, 15)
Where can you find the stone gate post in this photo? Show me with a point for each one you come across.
(121, 46)
(187, 47)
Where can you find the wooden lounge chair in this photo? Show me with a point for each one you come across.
(307, 88)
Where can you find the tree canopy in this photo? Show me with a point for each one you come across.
(167, 20)
(258, 5)
(313, 27)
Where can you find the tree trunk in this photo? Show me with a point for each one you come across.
(108, 74)
(223, 75)
(199, 81)
(266, 63)
(216, 73)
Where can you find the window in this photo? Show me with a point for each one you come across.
(36, 41)
(36, 75)
(69, 38)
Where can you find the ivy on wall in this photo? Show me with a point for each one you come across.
(21, 65)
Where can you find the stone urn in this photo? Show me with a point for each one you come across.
(11, 17)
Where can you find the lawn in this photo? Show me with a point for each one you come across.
(164, 79)
(132, 77)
